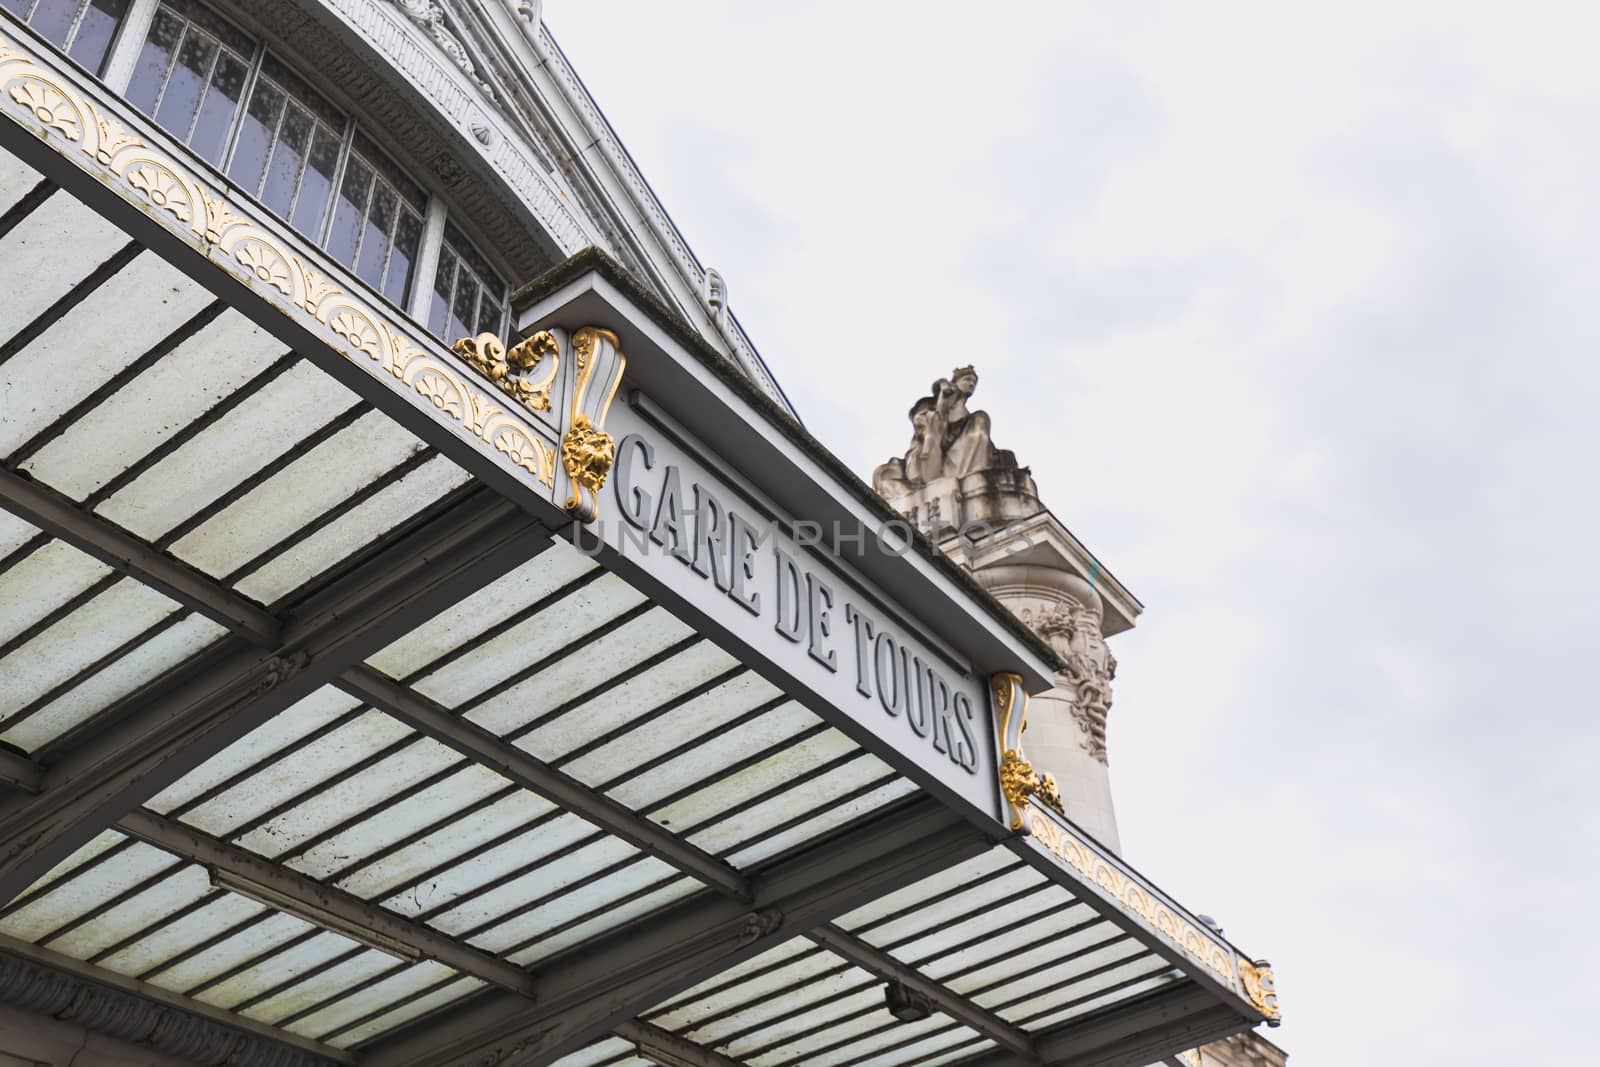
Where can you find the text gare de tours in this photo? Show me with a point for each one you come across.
(721, 545)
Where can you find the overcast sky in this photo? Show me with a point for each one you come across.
(1292, 310)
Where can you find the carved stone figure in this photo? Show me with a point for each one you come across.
(1073, 630)
(948, 440)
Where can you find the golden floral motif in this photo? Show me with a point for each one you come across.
(219, 219)
(266, 263)
(586, 453)
(114, 137)
(49, 105)
(529, 453)
(443, 392)
(357, 331)
(1019, 781)
(162, 188)
(318, 288)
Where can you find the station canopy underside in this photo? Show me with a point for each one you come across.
(313, 737)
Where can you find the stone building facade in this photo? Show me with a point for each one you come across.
(981, 507)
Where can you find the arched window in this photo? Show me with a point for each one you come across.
(83, 29)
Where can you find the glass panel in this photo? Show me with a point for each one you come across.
(255, 136)
(188, 79)
(303, 94)
(408, 190)
(464, 309)
(18, 8)
(439, 314)
(288, 159)
(375, 241)
(403, 260)
(489, 315)
(345, 235)
(95, 31)
(221, 105)
(53, 19)
(154, 59)
(316, 187)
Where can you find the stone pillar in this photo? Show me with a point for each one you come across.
(983, 509)
(1067, 725)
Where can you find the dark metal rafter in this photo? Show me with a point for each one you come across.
(473, 741)
(666, 1047)
(174, 724)
(875, 961)
(312, 896)
(586, 994)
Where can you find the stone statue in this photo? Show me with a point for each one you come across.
(967, 446)
(947, 440)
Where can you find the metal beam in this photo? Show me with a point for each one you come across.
(586, 994)
(670, 1050)
(60, 517)
(322, 905)
(875, 961)
(1131, 1034)
(20, 772)
(175, 723)
(473, 741)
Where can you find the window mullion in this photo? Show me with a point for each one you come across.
(129, 42)
(205, 89)
(427, 259)
(346, 146)
(172, 68)
(245, 93)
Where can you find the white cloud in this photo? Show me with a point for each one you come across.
(1291, 310)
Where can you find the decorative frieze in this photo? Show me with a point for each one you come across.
(233, 237)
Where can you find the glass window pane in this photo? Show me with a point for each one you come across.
(95, 31)
(312, 204)
(154, 60)
(439, 314)
(188, 80)
(375, 241)
(53, 19)
(403, 260)
(464, 309)
(409, 191)
(255, 136)
(288, 159)
(303, 94)
(345, 234)
(219, 108)
(18, 8)
(489, 315)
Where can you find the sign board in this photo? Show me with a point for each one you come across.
(679, 521)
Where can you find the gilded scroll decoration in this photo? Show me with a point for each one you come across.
(1260, 988)
(587, 450)
(1018, 779)
(122, 158)
(510, 370)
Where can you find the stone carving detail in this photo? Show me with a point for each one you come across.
(1073, 630)
(947, 440)
(430, 17)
